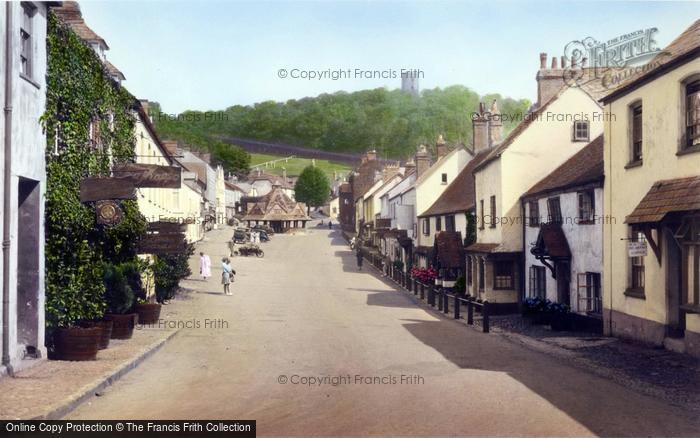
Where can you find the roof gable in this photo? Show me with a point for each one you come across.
(586, 166)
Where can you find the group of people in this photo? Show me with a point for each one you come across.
(227, 271)
(255, 237)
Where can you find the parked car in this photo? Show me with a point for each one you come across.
(240, 236)
(266, 228)
(264, 237)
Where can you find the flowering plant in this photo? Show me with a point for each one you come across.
(425, 275)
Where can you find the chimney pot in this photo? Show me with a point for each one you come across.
(563, 62)
(554, 63)
(543, 61)
(584, 61)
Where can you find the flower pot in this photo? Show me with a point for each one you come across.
(123, 325)
(148, 313)
(105, 327)
(77, 343)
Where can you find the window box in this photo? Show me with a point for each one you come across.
(635, 293)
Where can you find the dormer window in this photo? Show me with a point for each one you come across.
(581, 130)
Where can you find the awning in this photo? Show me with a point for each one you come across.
(551, 243)
(668, 196)
(482, 247)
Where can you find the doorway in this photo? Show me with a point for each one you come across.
(28, 247)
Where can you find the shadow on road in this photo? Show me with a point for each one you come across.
(577, 394)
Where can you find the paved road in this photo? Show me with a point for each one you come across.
(305, 312)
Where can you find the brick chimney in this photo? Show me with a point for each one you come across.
(410, 166)
(549, 80)
(422, 160)
(495, 124)
(440, 147)
(480, 129)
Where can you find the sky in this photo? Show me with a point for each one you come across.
(209, 55)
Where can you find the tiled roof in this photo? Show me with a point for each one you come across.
(684, 48)
(449, 249)
(667, 196)
(482, 247)
(232, 186)
(70, 14)
(277, 206)
(551, 242)
(591, 82)
(459, 195)
(586, 166)
(114, 71)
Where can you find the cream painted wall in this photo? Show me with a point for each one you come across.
(542, 147)
(429, 186)
(183, 204)
(624, 188)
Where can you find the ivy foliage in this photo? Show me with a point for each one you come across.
(81, 94)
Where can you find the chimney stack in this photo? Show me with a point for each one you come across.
(422, 160)
(496, 124)
(480, 129)
(440, 147)
(549, 81)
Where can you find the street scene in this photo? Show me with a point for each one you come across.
(350, 219)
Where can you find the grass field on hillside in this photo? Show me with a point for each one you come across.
(294, 166)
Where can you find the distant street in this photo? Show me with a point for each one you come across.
(305, 312)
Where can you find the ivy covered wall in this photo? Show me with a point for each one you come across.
(89, 122)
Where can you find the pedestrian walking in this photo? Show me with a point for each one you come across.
(227, 273)
(330, 225)
(257, 237)
(252, 237)
(231, 247)
(358, 254)
(204, 266)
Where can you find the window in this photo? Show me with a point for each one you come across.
(538, 282)
(534, 208)
(426, 226)
(692, 114)
(26, 41)
(586, 207)
(554, 210)
(636, 134)
(450, 223)
(637, 265)
(438, 223)
(493, 212)
(503, 275)
(589, 297)
(444, 178)
(581, 131)
(481, 214)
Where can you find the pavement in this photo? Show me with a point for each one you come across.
(309, 346)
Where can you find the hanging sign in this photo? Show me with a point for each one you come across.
(150, 175)
(636, 249)
(99, 189)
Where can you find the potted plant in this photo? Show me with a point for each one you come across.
(560, 319)
(120, 300)
(105, 326)
(147, 309)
